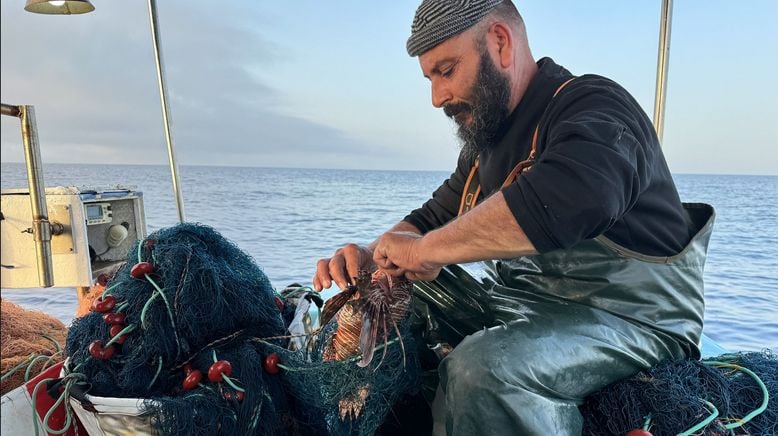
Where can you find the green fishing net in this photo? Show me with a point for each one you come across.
(190, 300)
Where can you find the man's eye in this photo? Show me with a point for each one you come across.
(447, 73)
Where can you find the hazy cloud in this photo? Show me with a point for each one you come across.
(93, 82)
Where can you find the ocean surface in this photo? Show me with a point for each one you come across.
(289, 218)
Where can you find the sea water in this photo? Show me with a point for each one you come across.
(287, 219)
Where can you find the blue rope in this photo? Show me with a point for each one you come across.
(714, 412)
(156, 375)
(57, 346)
(15, 368)
(158, 292)
(765, 393)
(69, 380)
(124, 331)
(27, 373)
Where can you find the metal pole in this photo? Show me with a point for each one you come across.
(162, 94)
(9, 110)
(41, 228)
(661, 67)
(40, 214)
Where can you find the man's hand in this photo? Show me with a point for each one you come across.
(402, 253)
(342, 266)
(346, 263)
(489, 231)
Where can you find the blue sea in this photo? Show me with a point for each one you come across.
(289, 218)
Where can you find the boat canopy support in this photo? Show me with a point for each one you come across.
(42, 229)
(162, 96)
(662, 62)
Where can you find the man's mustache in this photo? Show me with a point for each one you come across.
(454, 109)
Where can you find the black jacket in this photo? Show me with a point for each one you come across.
(599, 170)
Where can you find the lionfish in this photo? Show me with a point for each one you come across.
(370, 308)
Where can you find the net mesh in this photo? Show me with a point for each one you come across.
(673, 394)
(23, 337)
(212, 302)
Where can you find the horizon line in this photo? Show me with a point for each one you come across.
(339, 169)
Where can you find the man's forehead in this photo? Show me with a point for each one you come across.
(448, 51)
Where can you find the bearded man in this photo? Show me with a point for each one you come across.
(561, 189)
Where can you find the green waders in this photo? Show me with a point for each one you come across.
(561, 325)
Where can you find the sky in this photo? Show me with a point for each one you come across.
(314, 84)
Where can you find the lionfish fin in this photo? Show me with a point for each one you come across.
(334, 304)
(367, 340)
(399, 338)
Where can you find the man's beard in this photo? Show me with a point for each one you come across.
(490, 96)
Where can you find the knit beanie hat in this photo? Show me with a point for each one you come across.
(437, 20)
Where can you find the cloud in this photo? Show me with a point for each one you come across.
(93, 83)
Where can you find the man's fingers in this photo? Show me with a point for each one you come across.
(354, 261)
(338, 271)
(342, 267)
(395, 272)
(322, 279)
(381, 259)
(383, 263)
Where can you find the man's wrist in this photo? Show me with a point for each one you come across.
(428, 251)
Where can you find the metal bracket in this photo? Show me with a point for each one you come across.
(62, 243)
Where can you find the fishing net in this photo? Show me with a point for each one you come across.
(341, 397)
(29, 342)
(187, 304)
(730, 394)
(95, 291)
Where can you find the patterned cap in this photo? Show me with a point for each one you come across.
(438, 20)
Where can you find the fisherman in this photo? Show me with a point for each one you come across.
(561, 189)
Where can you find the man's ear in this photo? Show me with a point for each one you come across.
(502, 37)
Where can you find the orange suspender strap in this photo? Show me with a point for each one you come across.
(470, 192)
(562, 86)
(525, 165)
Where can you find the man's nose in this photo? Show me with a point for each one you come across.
(440, 94)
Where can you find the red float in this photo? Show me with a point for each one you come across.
(280, 303)
(103, 305)
(639, 432)
(233, 396)
(102, 279)
(114, 318)
(218, 370)
(140, 269)
(192, 380)
(99, 351)
(115, 330)
(271, 363)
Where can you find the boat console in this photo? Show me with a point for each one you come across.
(93, 229)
